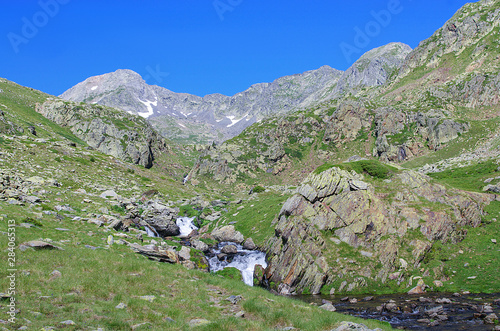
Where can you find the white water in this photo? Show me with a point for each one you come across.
(245, 261)
(151, 232)
(185, 225)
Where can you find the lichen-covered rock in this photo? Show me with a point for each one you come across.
(228, 233)
(113, 132)
(339, 203)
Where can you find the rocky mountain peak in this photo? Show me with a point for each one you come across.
(374, 67)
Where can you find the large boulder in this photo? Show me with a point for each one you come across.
(228, 233)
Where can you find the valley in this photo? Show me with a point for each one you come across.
(380, 181)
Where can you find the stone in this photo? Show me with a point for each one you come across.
(234, 299)
(328, 307)
(184, 253)
(357, 185)
(240, 314)
(491, 319)
(249, 244)
(37, 244)
(494, 241)
(109, 194)
(443, 300)
(198, 322)
(121, 305)
(200, 245)
(149, 298)
(416, 290)
(437, 283)
(228, 233)
(55, 274)
(68, 322)
(229, 249)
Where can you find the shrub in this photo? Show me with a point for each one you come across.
(258, 189)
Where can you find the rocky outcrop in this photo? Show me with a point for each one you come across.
(343, 207)
(113, 132)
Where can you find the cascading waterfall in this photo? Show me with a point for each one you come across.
(244, 260)
(186, 226)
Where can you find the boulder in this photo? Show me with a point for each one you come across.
(229, 249)
(228, 233)
(200, 245)
(249, 244)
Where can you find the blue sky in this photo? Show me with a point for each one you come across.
(198, 46)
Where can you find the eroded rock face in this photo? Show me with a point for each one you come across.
(129, 138)
(342, 207)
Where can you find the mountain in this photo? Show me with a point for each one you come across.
(361, 209)
(179, 116)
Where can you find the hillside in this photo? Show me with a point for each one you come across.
(67, 199)
(437, 114)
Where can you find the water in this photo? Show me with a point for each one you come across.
(462, 312)
(185, 179)
(245, 261)
(186, 226)
(151, 232)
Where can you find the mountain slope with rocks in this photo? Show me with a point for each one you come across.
(217, 117)
(81, 220)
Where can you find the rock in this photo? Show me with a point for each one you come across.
(160, 256)
(55, 274)
(494, 241)
(198, 322)
(443, 300)
(121, 305)
(184, 253)
(258, 275)
(437, 283)
(353, 300)
(110, 240)
(108, 194)
(37, 244)
(234, 299)
(438, 310)
(492, 188)
(357, 185)
(149, 298)
(228, 233)
(68, 322)
(328, 307)
(229, 249)
(31, 199)
(491, 319)
(370, 298)
(240, 314)
(200, 245)
(416, 290)
(249, 244)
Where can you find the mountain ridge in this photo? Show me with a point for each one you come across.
(221, 117)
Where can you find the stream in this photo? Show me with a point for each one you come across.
(244, 260)
(418, 312)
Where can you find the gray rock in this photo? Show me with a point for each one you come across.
(328, 307)
(229, 249)
(184, 253)
(228, 233)
(199, 245)
(108, 194)
(249, 244)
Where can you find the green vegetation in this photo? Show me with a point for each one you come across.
(373, 168)
(470, 178)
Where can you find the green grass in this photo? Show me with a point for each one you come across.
(470, 178)
(374, 168)
(255, 221)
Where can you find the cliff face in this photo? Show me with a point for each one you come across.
(113, 132)
(336, 211)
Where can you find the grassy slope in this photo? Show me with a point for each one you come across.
(93, 282)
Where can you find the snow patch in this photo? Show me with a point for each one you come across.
(94, 88)
(182, 125)
(233, 121)
(148, 104)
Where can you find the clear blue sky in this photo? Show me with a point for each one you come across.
(200, 46)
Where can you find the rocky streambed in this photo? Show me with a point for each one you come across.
(429, 311)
